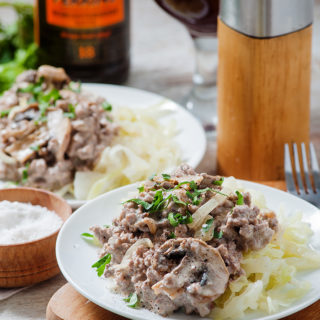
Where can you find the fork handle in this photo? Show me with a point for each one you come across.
(263, 101)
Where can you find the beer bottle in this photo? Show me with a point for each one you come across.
(89, 38)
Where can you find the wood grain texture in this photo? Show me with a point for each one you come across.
(263, 101)
(31, 262)
(68, 304)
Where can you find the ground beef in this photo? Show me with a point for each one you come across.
(181, 271)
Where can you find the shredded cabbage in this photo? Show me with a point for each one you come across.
(270, 280)
(143, 147)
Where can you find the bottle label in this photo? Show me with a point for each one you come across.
(84, 14)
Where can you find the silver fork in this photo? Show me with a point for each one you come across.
(304, 189)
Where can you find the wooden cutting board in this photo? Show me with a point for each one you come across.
(68, 304)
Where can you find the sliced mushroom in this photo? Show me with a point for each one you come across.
(18, 130)
(24, 149)
(24, 112)
(59, 132)
(200, 277)
(52, 74)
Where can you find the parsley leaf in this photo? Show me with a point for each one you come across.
(177, 218)
(173, 219)
(75, 86)
(141, 189)
(101, 264)
(177, 201)
(218, 182)
(217, 234)
(25, 174)
(106, 106)
(87, 235)
(51, 97)
(207, 225)
(132, 300)
(146, 205)
(166, 176)
(109, 119)
(72, 112)
(240, 198)
(35, 148)
(172, 235)
(4, 113)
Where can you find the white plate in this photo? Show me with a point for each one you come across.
(191, 137)
(75, 256)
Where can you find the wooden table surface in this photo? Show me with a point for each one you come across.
(162, 62)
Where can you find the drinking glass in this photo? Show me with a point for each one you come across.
(200, 18)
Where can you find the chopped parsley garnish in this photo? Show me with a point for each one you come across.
(146, 205)
(52, 96)
(132, 300)
(240, 198)
(217, 234)
(25, 174)
(33, 88)
(156, 205)
(218, 182)
(176, 200)
(141, 189)
(43, 99)
(87, 235)
(207, 225)
(166, 176)
(106, 226)
(101, 264)
(106, 106)
(35, 148)
(109, 119)
(172, 235)
(72, 112)
(177, 218)
(195, 192)
(4, 113)
(193, 197)
(75, 86)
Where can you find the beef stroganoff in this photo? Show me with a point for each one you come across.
(56, 136)
(202, 244)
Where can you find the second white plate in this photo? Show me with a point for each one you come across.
(75, 256)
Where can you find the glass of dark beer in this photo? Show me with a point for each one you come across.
(200, 18)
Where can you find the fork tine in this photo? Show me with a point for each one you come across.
(297, 167)
(306, 168)
(288, 170)
(314, 168)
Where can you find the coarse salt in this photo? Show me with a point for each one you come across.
(23, 222)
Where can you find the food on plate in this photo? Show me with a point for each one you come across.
(23, 222)
(203, 244)
(56, 136)
(49, 130)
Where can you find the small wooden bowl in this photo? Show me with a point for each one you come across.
(31, 262)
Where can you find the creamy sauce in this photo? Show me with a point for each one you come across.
(23, 222)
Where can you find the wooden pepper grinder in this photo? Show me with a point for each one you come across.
(263, 84)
